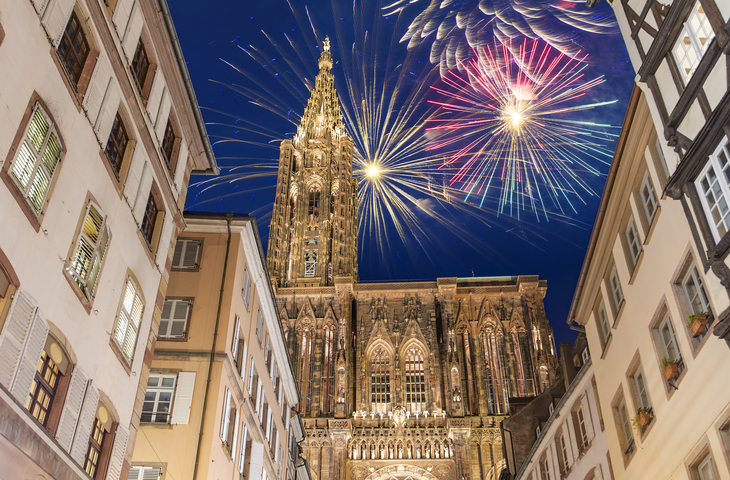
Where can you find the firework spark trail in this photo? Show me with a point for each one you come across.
(456, 29)
(503, 116)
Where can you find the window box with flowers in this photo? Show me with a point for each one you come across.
(642, 419)
(670, 369)
(698, 323)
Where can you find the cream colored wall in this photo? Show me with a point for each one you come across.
(683, 417)
(175, 445)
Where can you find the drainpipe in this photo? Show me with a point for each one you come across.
(212, 348)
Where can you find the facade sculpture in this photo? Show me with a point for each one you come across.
(397, 380)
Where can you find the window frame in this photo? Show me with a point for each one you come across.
(119, 147)
(381, 398)
(721, 176)
(69, 69)
(42, 385)
(125, 358)
(140, 78)
(181, 263)
(36, 103)
(246, 288)
(157, 390)
(174, 302)
(632, 230)
(616, 291)
(604, 326)
(415, 383)
(695, 47)
(78, 281)
(651, 204)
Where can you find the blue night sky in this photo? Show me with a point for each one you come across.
(214, 35)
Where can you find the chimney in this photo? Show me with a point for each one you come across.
(566, 362)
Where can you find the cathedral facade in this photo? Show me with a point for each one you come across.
(397, 380)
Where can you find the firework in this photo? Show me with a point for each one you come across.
(511, 132)
(456, 28)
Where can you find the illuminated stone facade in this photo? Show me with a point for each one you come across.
(397, 380)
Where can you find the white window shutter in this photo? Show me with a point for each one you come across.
(56, 17)
(86, 423)
(134, 28)
(14, 334)
(108, 112)
(143, 194)
(118, 451)
(235, 434)
(158, 88)
(257, 461)
(32, 350)
(183, 398)
(166, 318)
(190, 257)
(236, 337)
(182, 163)
(226, 415)
(151, 473)
(243, 361)
(163, 115)
(587, 416)
(135, 175)
(121, 16)
(179, 320)
(97, 88)
(40, 6)
(164, 244)
(72, 408)
(597, 474)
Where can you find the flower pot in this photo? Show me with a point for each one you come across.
(699, 326)
(671, 370)
(644, 419)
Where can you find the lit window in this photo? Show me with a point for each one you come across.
(73, 49)
(93, 452)
(130, 315)
(380, 377)
(38, 156)
(116, 145)
(714, 190)
(693, 41)
(43, 389)
(632, 239)
(648, 198)
(415, 380)
(158, 399)
(88, 255)
(174, 319)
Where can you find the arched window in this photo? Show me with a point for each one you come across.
(328, 370)
(415, 380)
(314, 202)
(380, 378)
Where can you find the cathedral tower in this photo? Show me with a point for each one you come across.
(313, 231)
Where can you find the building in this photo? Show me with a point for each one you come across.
(560, 434)
(220, 391)
(99, 132)
(644, 289)
(396, 379)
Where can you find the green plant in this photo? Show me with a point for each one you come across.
(666, 361)
(698, 316)
(642, 418)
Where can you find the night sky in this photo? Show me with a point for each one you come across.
(471, 241)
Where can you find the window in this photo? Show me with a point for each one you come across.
(116, 145)
(244, 458)
(564, 451)
(259, 326)
(706, 468)
(640, 392)
(617, 294)
(415, 381)
(43, 389)
(625, 435)
(712, 185)
(93, 452)
(73, 49)
(314, 202)
(130, 315)
(145, 473)
(168, 142)
(140, 66)
(186, 254)
(229, 426)
(667, 342)
(633, 242)
(694, 291)
(158, 399)
(88, 255)
(648, 198)
(174, 319)
(38, 156)
(253, 378)
(149, 220)
(693, 41)
(380, 377)
(604, 328)
(310, 264)
(267, 353)
(246, 290)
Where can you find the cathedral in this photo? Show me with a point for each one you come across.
(401, 380)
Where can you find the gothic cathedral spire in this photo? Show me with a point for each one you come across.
(313, 231)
